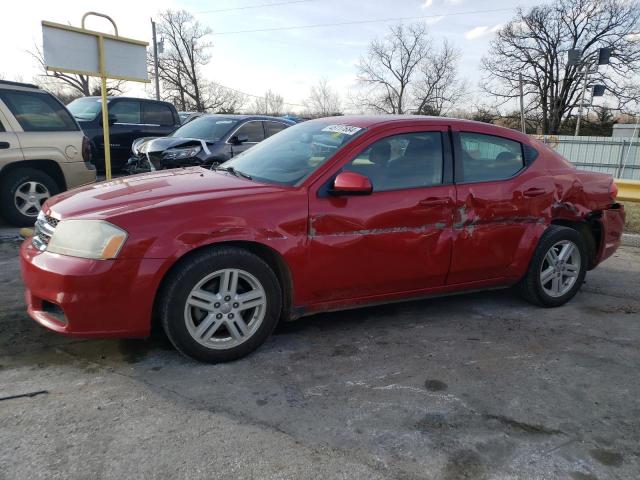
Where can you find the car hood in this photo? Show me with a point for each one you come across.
(125, 195)
(160, 144)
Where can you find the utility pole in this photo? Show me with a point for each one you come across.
(523, 126)
(155, 59)
(585, 81)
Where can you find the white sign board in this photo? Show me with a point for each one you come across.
(125, 59)
(74, 50)
(67, 50)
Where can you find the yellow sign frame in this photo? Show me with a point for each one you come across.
(102, 73)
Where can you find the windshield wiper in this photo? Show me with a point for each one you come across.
(235, 172)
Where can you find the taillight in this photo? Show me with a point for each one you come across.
(86, 149)
(613, 190)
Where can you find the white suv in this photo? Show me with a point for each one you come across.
(42, 151)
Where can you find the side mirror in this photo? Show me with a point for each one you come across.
(238, 139)
(351, 183)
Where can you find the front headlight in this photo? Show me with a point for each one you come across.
(94, 239)
(180, 153)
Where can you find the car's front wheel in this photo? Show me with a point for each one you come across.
(557, 269)
(220, 304)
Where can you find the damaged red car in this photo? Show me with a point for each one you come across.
(328, 214)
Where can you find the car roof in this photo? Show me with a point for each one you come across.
(19, 85)
(121, 97)
(248, 117)
(369, 121)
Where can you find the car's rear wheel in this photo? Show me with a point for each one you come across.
(220, 304)
(557, 269)
(23, 191)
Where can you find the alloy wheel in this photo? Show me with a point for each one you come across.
(225, 308)
(560, 268)
(29, 198)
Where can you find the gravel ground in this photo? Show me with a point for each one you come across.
(474, 386)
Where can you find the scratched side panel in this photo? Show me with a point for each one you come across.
(383, 243)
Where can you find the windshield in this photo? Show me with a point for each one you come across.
(210, 129)
(85, 108)
(293, 154)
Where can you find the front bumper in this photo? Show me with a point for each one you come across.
(140, 163)
(89, 298)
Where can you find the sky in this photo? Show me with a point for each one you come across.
(287, 61)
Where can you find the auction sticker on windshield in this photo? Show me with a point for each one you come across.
(344, 129)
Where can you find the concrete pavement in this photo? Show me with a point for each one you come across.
(474, 386)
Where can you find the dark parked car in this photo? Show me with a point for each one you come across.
(129, 119)
(204, 141)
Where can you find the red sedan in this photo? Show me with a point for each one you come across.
(328, 214)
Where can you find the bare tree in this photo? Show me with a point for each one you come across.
(323, 100)
(180, 67)
(271, 104)
(438, 88)
(390, 66)
(535, 44)
(72, 85)
(484, 113)
(221, 99)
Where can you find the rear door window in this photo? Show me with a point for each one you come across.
(126, 111)
(488, 157)
(38, 111)
(157, 114)
(271, 128)
(253, 130)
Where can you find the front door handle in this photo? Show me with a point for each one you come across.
(5, 145)
(435, 202)
(534, 192)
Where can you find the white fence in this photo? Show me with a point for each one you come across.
(617, 156)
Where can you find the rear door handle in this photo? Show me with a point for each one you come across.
(534, 192)
(5, 145)
(435, 202)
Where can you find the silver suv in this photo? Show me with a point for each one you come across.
(42, 151)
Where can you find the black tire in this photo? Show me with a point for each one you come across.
(9, 186)
(172, 300)
(530, 286)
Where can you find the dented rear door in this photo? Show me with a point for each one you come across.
(501, 209)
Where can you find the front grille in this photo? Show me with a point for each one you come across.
(51, 221)
(43, 231)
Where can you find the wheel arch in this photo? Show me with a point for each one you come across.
(271, 256)
(50, 167)
(590, 230)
